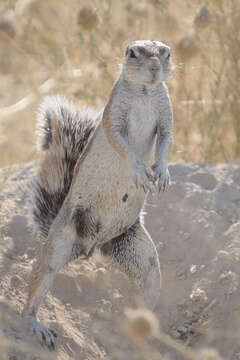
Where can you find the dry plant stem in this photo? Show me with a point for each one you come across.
(209, 307)
(28, 100)
(200, 325)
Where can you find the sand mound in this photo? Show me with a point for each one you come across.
(196, 228)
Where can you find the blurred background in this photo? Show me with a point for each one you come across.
(75, 47)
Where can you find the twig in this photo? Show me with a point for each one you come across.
(29, 99)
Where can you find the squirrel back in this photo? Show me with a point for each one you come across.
(63, 130)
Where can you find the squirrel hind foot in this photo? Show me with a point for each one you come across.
(45, 335)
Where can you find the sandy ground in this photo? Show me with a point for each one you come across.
(196, 228)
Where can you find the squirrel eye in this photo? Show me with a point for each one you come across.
(131, 54)
(168, 57)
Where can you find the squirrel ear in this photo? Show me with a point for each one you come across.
(126, 52)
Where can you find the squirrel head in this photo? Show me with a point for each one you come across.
(147, 63)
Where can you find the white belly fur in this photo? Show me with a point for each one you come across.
(141, 132)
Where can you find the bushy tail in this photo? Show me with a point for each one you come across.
(63, 131)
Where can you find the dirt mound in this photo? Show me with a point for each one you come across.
(196, 228)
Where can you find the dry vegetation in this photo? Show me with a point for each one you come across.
(75, 48)
(78, 46)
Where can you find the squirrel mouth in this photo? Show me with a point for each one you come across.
(154, 78)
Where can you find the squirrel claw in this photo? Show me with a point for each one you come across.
(147, 187)
(162, 176)
(142, 177)
(45, 335)
(163, 186)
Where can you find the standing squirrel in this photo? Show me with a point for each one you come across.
(94, 176)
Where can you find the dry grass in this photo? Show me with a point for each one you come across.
(41, 40)
(141, 324)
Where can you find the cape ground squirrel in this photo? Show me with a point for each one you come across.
(94, 175)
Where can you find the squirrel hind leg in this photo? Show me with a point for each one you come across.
(54, 254)
(136, 255)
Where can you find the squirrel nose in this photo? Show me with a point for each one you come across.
(154, 64)
(154, 68)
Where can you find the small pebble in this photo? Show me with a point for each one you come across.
(101, 270)
(105, 306)
(182, 329)
(223, 255)
(24, 258)
(8, 242)
(198, 295)
(181, 274)
(226, 276)
(188, 314)
(193, 269)
(175, 334)
(186, 236)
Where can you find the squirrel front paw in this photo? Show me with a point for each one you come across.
(141, 177)
(161, 174)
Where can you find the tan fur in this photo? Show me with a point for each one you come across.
(112, 175)
(108, 125)
(84, 154)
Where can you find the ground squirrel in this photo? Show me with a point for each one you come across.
(95, 172)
